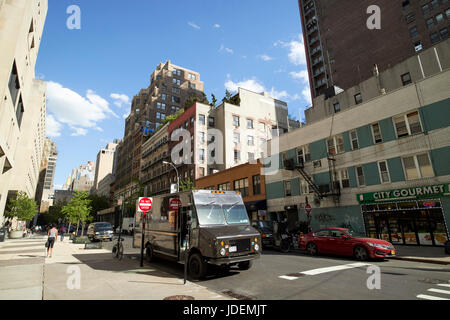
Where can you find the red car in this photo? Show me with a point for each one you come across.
(341, 241)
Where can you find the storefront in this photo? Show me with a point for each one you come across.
(408, 216)
(257, 210)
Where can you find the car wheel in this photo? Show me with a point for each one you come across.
(197, 266)
(361, 253)
(245, 265)
(149, 255)
(312, 249)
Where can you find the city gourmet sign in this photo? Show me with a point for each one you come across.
(405, 194)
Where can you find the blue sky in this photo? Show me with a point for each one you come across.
(94, 72)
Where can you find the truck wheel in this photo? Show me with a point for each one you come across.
(197, 266)
(149, 255)
(245, 265)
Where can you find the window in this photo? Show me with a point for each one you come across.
(376, 131)
(251, 141)
(19, 111)
(211, 122)
(336, 145)
(417, 167)
(360, 176)
(202, 137)
(224, 186)
(344, 180)
(251, 156)
(384, 173)
(257, 184)
(186, 124)
(176, 90)
(426, 9)
(249, 124)
(287, 189)
(236, 138)
(158, 115)
(176, 99)
(201, 155)
(418, 46)
(444, 33)
(241, 186)
(163, 96)
(236, 121)
(410, 17)
(354, 140)
(447, 13)
(405, 4)
(406, 79)
(163, 116)
(202, 174)
(303, 154)
(430, 23)
(192, 76)
(191, 85)
(176, 72)
(305, 187)
(237, 156)
(337, 107)
(434, 37)
(164, 87)
(358, 98)
(176, 81)
(201, 119)
(434, 4)
(408, 124)
(14, 85)
(413, 32)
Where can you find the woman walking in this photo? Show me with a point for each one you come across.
(52, 237)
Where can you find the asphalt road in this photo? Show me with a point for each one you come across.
(297, 276)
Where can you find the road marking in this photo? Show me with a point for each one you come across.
(424, 296)
(439, 291)
(325, 270)
(444, 285)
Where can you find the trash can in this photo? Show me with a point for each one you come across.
(447, 247)
(2, 234)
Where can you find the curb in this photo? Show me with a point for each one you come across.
(420, 260)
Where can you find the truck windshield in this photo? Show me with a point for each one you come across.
(216, 209)
(235, 214)
(210, 214)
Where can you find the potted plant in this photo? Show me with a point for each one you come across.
(22, 209)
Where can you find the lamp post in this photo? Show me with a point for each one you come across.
(178, 178)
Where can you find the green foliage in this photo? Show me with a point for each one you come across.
(53, 215)
(229, 98)
(213, 100)
(22, 207)
(98, 203)
(78, 209)
(193, 99)
(186, 185)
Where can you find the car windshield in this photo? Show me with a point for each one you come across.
(265, 224)
(103, 226)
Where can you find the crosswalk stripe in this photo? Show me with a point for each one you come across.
(439, 291)
(288, 278)
(335, 268)
(444, 285)
(424, 296)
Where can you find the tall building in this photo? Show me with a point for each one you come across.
(82, 178)
(106, 160)
(44, 193)
(23, 99)
(341, 50)
(379, 168)
(170, 88)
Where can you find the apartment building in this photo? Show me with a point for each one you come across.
(380, 167)
(23, 103)
(82, 177)
(105, 165)
(341, 50)
(44, 192)
(170, 88)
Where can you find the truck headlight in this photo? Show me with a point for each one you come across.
(256, 247)
(97, 233)
(222, 252)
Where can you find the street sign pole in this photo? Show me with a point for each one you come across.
(142, 239)
(144, 205)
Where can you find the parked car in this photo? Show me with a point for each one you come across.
(100, 231)
(266, 230)
(341, 241)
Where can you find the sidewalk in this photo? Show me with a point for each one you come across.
(422, 254)
(25, 273)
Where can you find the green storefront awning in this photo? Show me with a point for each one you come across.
(412, 193)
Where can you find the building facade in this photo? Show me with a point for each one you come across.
(248, 180)
(106, 161)
(341, 49)
(44, 192)
(23, 103)
(82, 178)
(379, 168)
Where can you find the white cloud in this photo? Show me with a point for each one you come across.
(125, 115)
(306, 92)
(78, 132)
(193, 25)
(297, 55)
(228, 50)
(251, 84)
(120, 99)
(265, 57)
(78, 112)
(98, 129)
(217, 26)
(53, 127)
(301, 75)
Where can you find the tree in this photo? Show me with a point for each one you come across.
(22, 208)
(78, 209)
(186, 185)
(193, 99)
(229, 98)
(213, 100)
(98, 203)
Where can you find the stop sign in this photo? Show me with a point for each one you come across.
(175, 204)
(145, 204)
(308, 208)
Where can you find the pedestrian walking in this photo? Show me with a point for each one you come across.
(62, 231)
(52, 237)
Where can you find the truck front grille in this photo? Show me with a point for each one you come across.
(243, 245)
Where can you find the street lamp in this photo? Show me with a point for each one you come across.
(178, 179)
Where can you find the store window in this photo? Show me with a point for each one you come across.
(408, 124)
(241, 186)
(418, 167)
(256, 184)
(224, 186)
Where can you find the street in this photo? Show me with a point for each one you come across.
(278, 276)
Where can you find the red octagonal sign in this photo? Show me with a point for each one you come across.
(175, 204)
(145, 204)
(308, 208)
